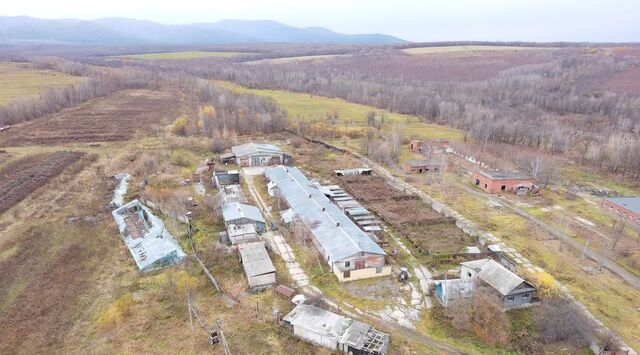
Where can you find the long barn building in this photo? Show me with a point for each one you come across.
(350, 253)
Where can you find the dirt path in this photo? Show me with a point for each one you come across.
(281, 247)
(602, 259)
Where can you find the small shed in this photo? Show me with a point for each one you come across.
(236, 213)
(241, 233)
(257, 265)
(228, 158)
(223, 178)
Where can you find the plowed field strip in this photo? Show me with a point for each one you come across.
(24, 176)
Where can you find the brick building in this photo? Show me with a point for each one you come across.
(626, 207)
(503, 181)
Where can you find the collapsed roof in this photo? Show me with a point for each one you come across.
(150, 244)
(344, 331)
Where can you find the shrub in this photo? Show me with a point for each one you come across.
(297, 142)
(490, 323)
(563, 320)
(546, 285)
(179, 127)
(180, 158)
(119, 309)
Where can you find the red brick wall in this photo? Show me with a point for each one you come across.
(622, 211)
(495, 186)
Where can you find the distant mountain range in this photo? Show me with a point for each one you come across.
(129, 31)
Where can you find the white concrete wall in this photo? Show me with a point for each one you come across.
(262, 280)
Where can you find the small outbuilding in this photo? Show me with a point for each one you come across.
(223, 178)
(511, 288)
(336, 332)
(238, 214)
(421, 166)
(241, 233)
(500, 181)
(257, 265)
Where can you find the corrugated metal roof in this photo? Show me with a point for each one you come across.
(236, 210)
(338, 236)
(631, 203)
(255, 148)
(497, 276)
(149, 242)
(255, 259)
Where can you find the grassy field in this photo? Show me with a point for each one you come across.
(304, 58)
(316, 108)
(17, 82)
(183, 55)
(456, 49)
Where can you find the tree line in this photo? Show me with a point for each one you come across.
(556, 107)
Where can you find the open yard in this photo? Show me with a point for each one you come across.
(183, 55)
(19, 81)
(114, 118)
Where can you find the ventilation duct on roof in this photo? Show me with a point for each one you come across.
(337, 224)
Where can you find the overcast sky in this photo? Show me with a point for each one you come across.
(414, 20)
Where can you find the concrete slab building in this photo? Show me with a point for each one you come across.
(257, 265)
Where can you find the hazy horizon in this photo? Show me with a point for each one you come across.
(492, 20)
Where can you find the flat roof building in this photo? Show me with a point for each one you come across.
(422, 166)
(500, 181)
(347, 249)
(257, 265)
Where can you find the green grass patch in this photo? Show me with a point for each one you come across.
(183, 55)
(17, 82)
